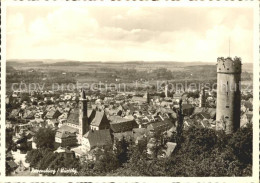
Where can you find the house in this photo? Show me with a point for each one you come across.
(29, 114)
(73, 118)
(246, 106)
(160, 127)
(66, 136)
(205, 123)
(202, 116)
(53, 114)
(170, 146)
(139, 134)
(119, 124)
(187, 109)
(96, 138)
(98, 120)
(211, 112)
(128, 135)
(246, 118)
(66, 152)
(16, 113)
(204, 113)
(139, 100)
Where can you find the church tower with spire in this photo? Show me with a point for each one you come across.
(83, 114)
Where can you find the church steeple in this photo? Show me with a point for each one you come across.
(83, 114)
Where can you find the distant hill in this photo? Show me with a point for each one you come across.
(10, 69)
(88, 66)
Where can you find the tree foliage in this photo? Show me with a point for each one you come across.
(202, 152)
(45, 138)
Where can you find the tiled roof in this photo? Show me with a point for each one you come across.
(198, 110)
(68, 129)
(127, 135)
(100, 116)
(122, 125)
(211, 112)
(14, 112)
(92, 115)
(99, 138)
(51, 113)
(29, 114)
(139, 132)
(117, 119)
(64, 134)
(187, 106)
(247, 104)
(170, 148)
(249, 116)
(158, 125)
(139, 99)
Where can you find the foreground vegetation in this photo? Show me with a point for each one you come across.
(201, 152)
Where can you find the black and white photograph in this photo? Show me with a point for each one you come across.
(99, 90)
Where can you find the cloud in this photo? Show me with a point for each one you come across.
(125, 33)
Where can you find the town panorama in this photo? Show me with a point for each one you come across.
(115, 95)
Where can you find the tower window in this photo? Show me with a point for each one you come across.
(227, 93)
(226, 117)
(228, 69)
(227, 106)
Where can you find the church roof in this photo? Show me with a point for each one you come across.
(99, 137)
(98, 118)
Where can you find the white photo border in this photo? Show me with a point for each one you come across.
(251, 4)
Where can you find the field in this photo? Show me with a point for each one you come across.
(133, 74)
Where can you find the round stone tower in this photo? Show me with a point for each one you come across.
(228, 94)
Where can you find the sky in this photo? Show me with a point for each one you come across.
(129, 33)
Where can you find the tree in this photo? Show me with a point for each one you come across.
(241, 144)
(106, 162)
(33, 157)
(138, 158)
(9, 138)
(158, 143)
(121, 151)
(25, 97)
(8, 169)
(87, 169)
(179, 137)
(45, 138)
